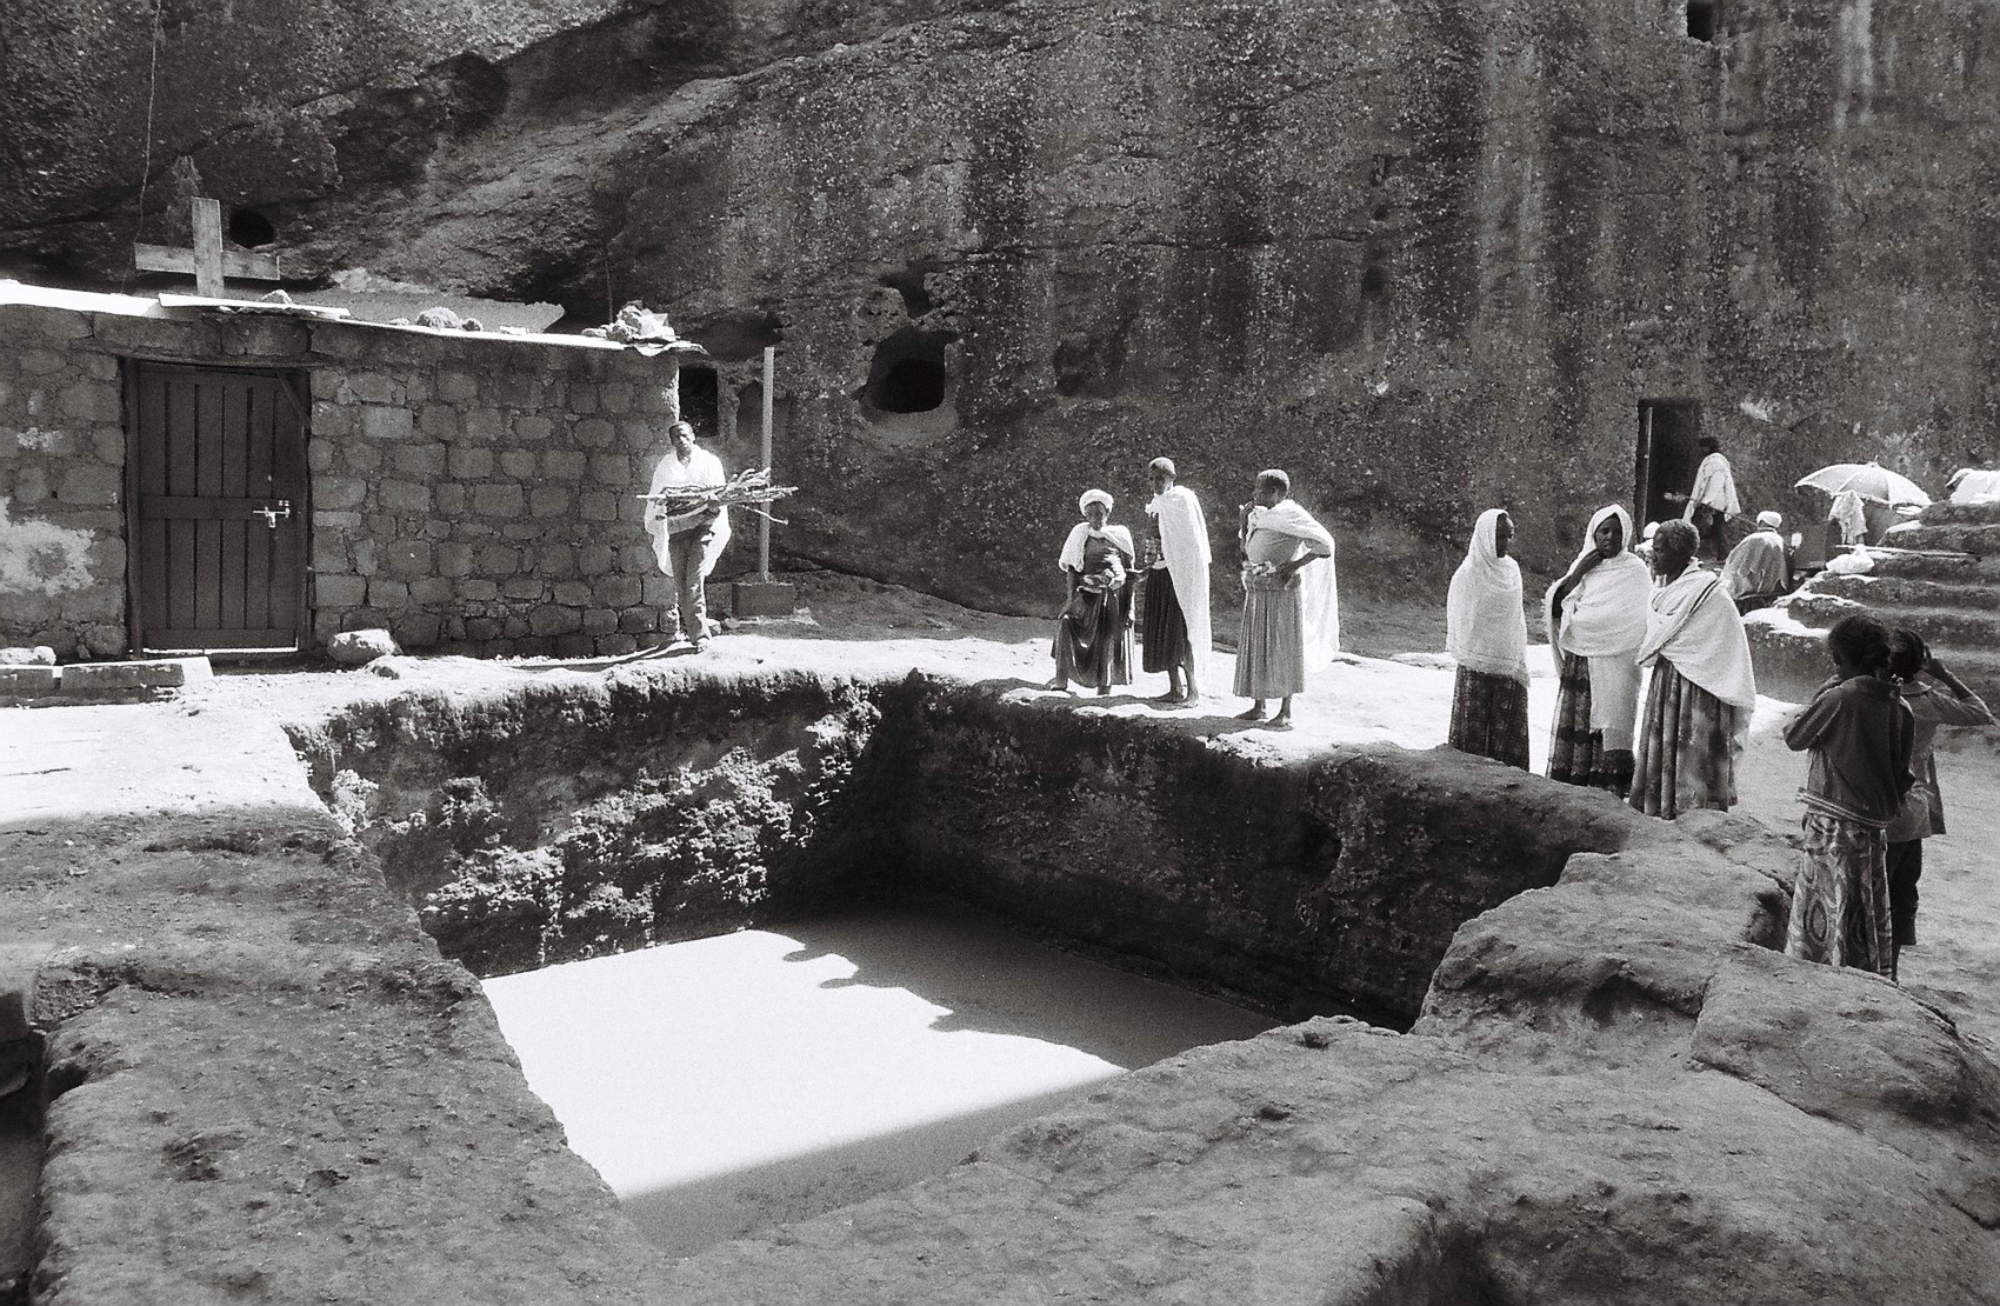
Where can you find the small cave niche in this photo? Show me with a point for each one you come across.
(251, 229)
(700, 406)
(909, 283)
(1702, 19)
(908, 374)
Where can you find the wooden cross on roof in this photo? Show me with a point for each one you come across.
(208, 260)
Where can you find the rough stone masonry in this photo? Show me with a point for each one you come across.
(472, 493)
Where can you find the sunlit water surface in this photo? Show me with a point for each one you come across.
(728, 1084)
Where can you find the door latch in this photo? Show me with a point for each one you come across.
(272, 516)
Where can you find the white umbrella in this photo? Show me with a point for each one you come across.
(1870, 480)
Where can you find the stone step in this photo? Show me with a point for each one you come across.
(1791, 659)
(1948, 514)
(1934, 565)
(1973, 627)
(1889, 591)
(1981, 538)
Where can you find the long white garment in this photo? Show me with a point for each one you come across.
(1071, 557)
(1693, 624)
(1757, 565)
(1319, 590)
(1974, 485)
(701, 468)
(1714, 487)
(1184, 541)
(1484, 628)
(1604, 620)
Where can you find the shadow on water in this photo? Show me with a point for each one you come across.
(992, 980)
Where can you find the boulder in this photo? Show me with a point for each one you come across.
(41, 655)
(353, 648)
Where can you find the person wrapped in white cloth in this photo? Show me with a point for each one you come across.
(687, 544)
(1487, 636)
(1176, 635)
(1702, 692)
(1759, 566)
(1597, 620)
(1291, 601)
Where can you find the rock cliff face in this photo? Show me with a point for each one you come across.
(1429, 255)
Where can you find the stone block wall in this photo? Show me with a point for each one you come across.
(62, 459)
(471, 493)
(481, 495)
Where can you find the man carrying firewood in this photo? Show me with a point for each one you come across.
(688, 528)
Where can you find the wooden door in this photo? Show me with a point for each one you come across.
(216, 474)
(1667, 457)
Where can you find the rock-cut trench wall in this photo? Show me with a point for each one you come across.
(576, 817)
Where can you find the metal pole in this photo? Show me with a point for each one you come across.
(764, 523)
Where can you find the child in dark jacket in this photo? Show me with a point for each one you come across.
(1859, 732)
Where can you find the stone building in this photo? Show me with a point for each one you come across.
(1431, 255)
(180, 477)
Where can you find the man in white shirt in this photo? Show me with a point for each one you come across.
(1713, 499)
(686, 544)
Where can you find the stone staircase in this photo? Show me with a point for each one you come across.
(1938, 576)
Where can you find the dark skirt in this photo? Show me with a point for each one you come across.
(1163, 629)
(1489, 717)
(1687, 748)
(1577, 754)
(1093, 644)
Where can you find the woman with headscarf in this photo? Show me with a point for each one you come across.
(1702, 693)
(1487, 636)
(1290, 621)
(1093, 643)
(1597, 620)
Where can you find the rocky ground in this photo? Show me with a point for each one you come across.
(1612, 1089)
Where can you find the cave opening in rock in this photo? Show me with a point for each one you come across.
(908, 372)
(1701, 19)
(701, 401)
(771, 946)
(251, 229)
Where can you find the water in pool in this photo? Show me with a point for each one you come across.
(728, 1084)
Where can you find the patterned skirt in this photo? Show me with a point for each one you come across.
(1270, 644)
(1489, 717)
(1688, 744)
(1093, 644)
(1577, 754)
(1840, 903)
(1164, 627)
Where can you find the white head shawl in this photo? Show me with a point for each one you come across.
(1092, 496)
(1606, 613)
(1770, 520)
(1694, 626)
(1485, 630)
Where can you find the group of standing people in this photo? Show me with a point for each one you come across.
(1613, 618)
(1291, 610)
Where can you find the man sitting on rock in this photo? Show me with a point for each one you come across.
(687, 540)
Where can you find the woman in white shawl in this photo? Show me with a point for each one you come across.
(1290, 622)
(1177, 636)
(1597, 620)
(1093, 642)
(1699, 701)
(1487, 635)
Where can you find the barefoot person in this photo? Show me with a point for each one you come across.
(1290, 621)
(1699, 701)
(1093, 644)
(1922, 678)
(686, 544)
(1860, 733)
(1597, 620)
(1177, 637)
(1487, 636)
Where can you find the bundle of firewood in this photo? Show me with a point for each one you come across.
(751, 486)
